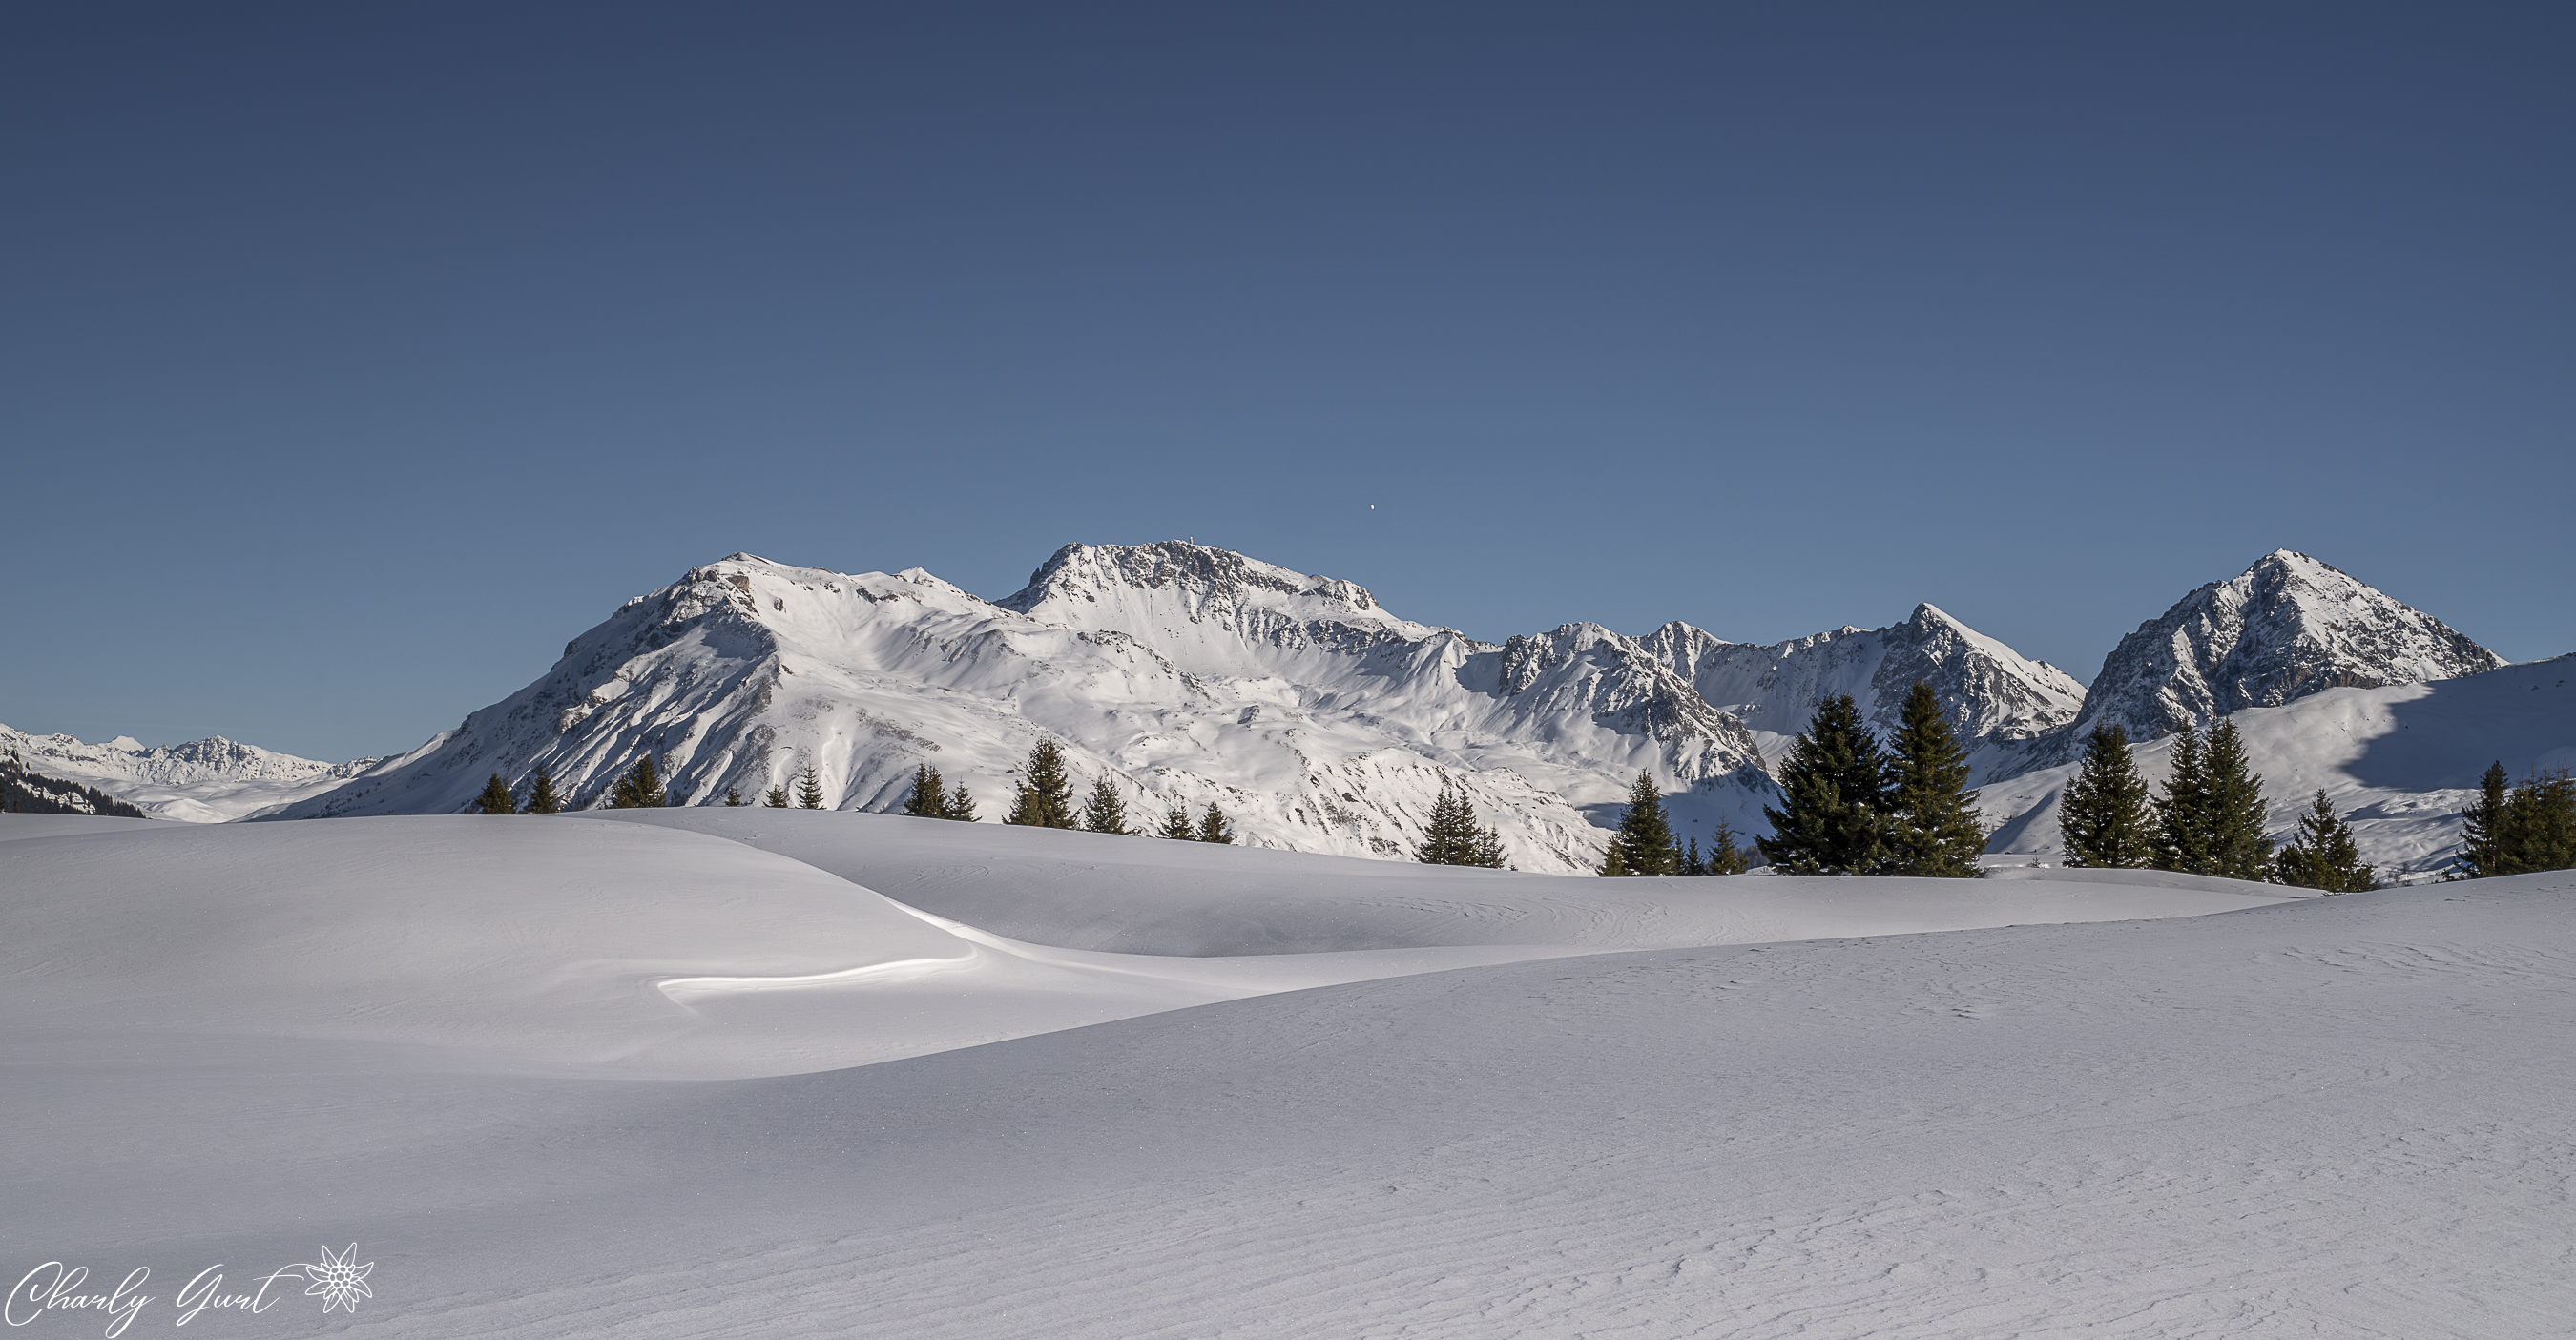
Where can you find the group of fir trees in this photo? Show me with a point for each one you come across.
(2209, 820)
(1044, 799)
(1852, 807)
(497, 798)
(1455, 838)
(1644, 844)
(932, 798)
(2519, 830)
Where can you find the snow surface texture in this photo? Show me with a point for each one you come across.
(2398, 762)
(2334, 1116)
(202, 781)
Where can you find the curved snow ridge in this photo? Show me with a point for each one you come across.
(686, 990)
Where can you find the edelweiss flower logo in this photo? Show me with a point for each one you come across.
(339, 1282)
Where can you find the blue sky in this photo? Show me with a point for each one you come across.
(354, 358)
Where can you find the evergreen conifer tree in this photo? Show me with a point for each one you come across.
(2540, 825)
(2238, 847)
(1453, 836)
(1213, 827)
(1724, 856)
(1691, 862)
(1936, 830)
(733, 798)
(1103, 811)
(1177, 825)
(2482, 827)
(640, 788)
(1834, 792)
(2106, 818)
(2324, 855)
(1045, 798)
(809, 789)
(777, 797)
(1487, 849)
(2182, 812)
(1644, 843)
(960, 806)
(541, 795)
(929, 798)
(496, 798)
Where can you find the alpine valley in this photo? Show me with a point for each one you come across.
(1321, 722)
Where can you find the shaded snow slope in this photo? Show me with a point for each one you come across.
(203, 781)
(1149, 896)
(2338, 1116)
(2398, 762)
(1185, 675)
(2285, 628)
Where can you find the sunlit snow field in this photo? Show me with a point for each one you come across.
(759, 1072)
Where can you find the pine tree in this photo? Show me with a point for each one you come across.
(1691, 862)
(1724, 856)
(640, 788)
(2238, 848)
(2106, 817)
(2323, 856)
(1045, 798)
(2482, 828)
(1644, 842)
(1177, 826)
(1453, 836)
(1487, 851)
(1213, 827)
(1103, 811)
(960, 806)
(929, 798)
(777, 797)
(1936, 830)
(496, 798)
(1834, 789)
(541, 795)
(2182, 812)
(733, 798)
(2540, 825)
(809, 789)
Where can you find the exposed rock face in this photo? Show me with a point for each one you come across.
(2285, 628)
(1993, 693)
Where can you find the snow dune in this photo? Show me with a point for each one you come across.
(451, 1041)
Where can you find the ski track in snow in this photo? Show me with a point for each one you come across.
(2335, 1116)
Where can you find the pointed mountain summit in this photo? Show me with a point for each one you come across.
(2285, 628)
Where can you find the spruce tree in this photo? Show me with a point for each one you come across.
(2323, 856)
(2106, 818)
(809, 789)
(777, 797)
(2238, 847)
(1691, 862)
(2182, 812)
(960, 806)
(541, 794)
(1644, 842)
(929, 798)
(1177, 826)
(496, 798)
(2540, 825)
(2482, 828)
(1454, 837)
(1213, 827)
(733, 798)
(640, 788)
(1045, 798)
(1487, 850)
(1103, 811)
(1724, 856)
(1936, 829)
(1834, 796)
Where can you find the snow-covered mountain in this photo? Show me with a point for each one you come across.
(1995, 695)
(2285, 628)
(203, 781)
(2398, 761)
(1185, 674)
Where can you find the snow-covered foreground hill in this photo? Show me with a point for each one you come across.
(203, 781)
(448, 1041)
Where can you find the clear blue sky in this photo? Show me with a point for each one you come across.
(355, 357)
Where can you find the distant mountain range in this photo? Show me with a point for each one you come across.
(202, 781)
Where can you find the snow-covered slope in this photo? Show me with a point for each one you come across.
(2336, 1116)
(1995, 695)
(203, 781)
(2287, 627)
(2398, 762)
(1187, 675)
